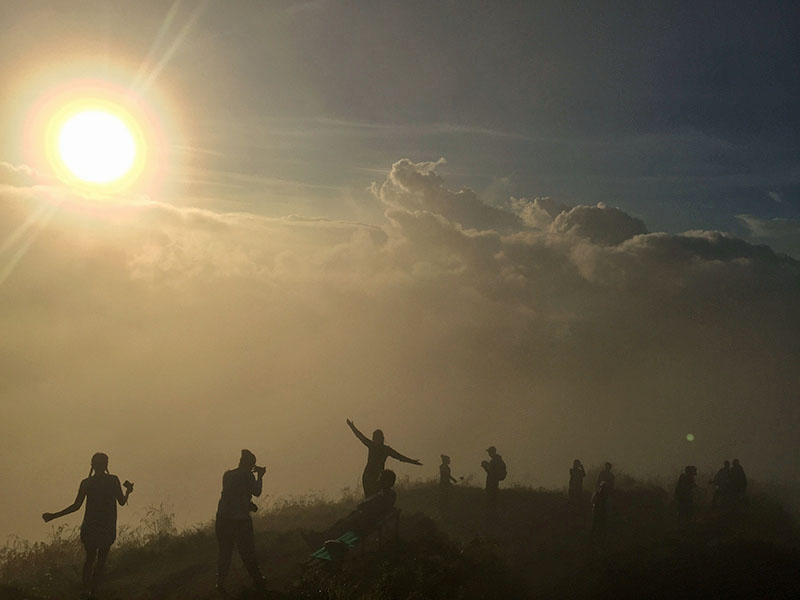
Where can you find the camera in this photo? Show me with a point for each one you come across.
(128, 485)
(260, 470)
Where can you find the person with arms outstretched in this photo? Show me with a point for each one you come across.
(233, 524)
(378, 452)
(102, 491)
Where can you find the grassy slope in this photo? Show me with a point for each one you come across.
(538, 546)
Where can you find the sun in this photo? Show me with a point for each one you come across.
(97, 147)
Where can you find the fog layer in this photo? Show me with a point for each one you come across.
(171, 338)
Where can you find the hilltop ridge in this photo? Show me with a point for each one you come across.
(538, 546)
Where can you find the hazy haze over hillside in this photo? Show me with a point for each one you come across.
(171, 337)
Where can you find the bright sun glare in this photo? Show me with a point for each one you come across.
(97, 147)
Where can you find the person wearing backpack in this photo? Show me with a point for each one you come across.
(495, 469)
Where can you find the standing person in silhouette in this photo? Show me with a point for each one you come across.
(684, 493)
(722, 481)
(576, 475)
(446, 481)
(102, 491)
(606, 476)
(600, 510)
(496, 472)
(738, 483)
(234, 525)
(377, 454)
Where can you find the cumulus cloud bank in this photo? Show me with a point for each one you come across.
(781, 234)
(171, 338)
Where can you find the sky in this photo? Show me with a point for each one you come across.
(564, 231)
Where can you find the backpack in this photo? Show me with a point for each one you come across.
(501, 469)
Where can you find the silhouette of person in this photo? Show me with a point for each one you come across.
(738, 483)
(600, 509)
(445, 478)
(607, 476)
(446, 481)
(495, 473)
(722, 481)
(366, 516)
(576, 475)
(377, 454)
(102, 491)
(233, 523)
(684, 493)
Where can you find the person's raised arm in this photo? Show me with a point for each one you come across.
(396, 455)
(71, 508)
(364, 439)
(257, 482)
(123, 498)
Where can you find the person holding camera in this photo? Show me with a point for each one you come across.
(233, 524)
(102, 491)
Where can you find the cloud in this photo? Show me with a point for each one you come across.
(172, 337)
(19, 176)
(599, 224)
(781, 234)
(417, 186)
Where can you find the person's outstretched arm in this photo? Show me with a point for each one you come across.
(453, 479)
(364, 439)
(122, 498)
(396, 455)
(71, 508)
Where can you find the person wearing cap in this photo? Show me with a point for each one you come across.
(233, 524)
(495, 472)
(377, 454)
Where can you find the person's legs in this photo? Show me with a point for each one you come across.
(369, 482)
(245, 541)
(99, 569)
(226, 537)
(491, 499)
(88, 567)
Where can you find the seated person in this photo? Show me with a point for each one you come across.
(368, 514)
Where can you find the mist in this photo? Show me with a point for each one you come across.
(170, 338)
